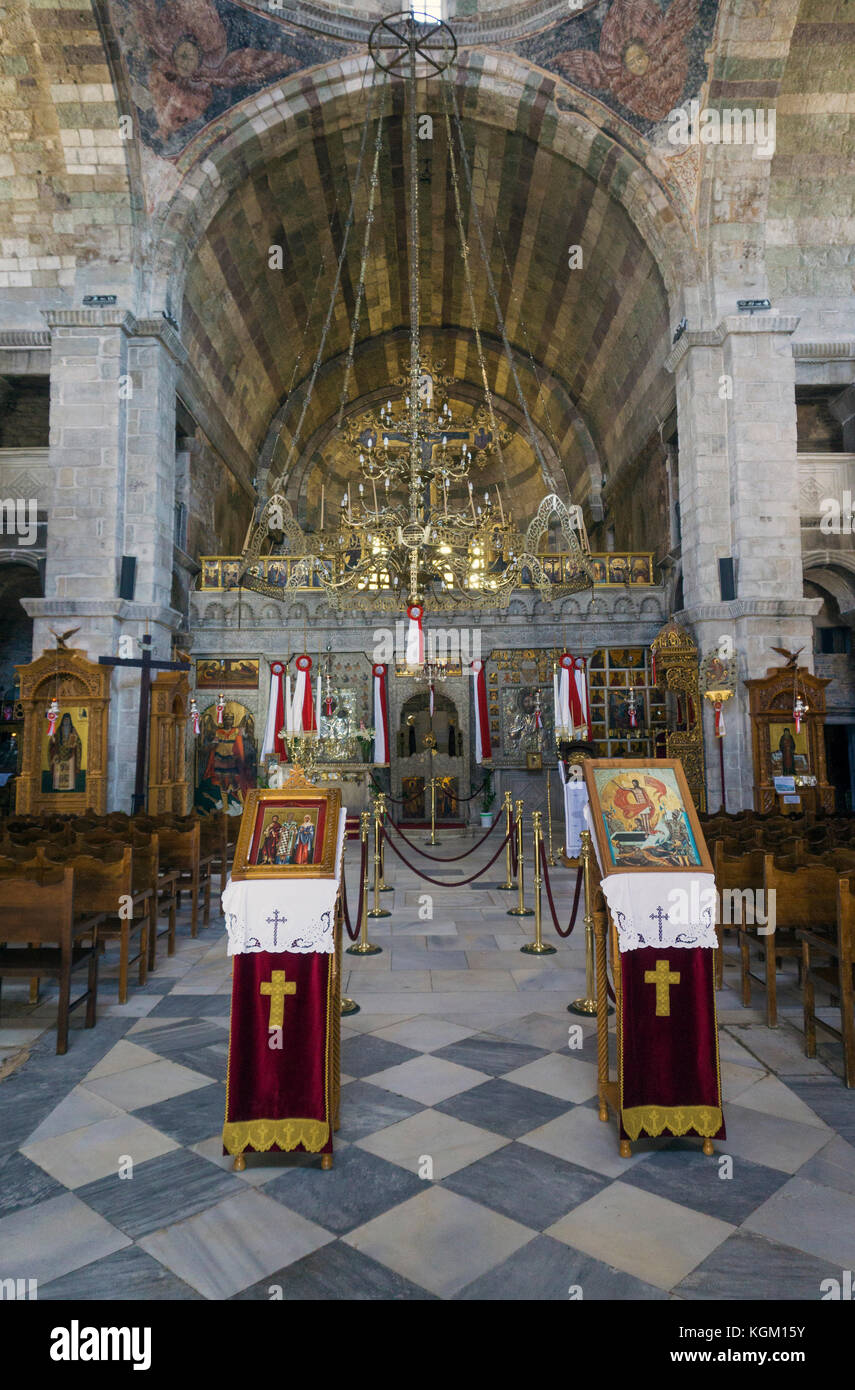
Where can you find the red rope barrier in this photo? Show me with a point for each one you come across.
(363, 861)
(576, 896)
(438, 858)
(440, 883)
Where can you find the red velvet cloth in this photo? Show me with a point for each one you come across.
(267, 1083)
(669, 1062)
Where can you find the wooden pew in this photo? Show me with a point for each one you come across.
(831, 963)
(39, 907)
(805, 899)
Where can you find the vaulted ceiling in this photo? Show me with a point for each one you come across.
(589, 339)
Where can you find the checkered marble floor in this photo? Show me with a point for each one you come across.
(471, 1163)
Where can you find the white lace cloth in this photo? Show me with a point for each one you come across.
(283, 914)
(668, 910)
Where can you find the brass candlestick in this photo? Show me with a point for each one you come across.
(508, 886)
(520, 910)
(384, 886)
(363, 947)
(536, 947)
(550, 859)
(377, 910)
(587, 1006)
(433, 840)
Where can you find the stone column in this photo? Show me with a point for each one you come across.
(112, 443)
(738, 472)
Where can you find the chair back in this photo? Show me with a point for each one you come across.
(35, 912)
(805, 896)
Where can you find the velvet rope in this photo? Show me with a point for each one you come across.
(438, 883)
(576, 895)
(401, 801)
(363, 861)
(451, 859)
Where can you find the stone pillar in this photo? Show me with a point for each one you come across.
(738, 472)
(112, 443)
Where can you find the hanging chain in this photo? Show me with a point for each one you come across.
(491, 285)
(467, 272)
(360, 289)
(295, 438)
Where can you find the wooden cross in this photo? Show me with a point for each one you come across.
(277, 987)
(147, 665)
(662, 977)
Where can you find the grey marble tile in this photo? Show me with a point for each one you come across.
(189, 1119)
(830, 1100)
(817, 1220)
(335, 1272)
(24, 1184)
(162, 1190)
(747, 1267)
(357, 1188)
(833, 1166)
(130, 1275)
(504, 1108)
(363, 1055)
(525, 1185)
(192, 1006)
(365, 1109)
(547, 1271)
(683, 1174)
(489, 1053)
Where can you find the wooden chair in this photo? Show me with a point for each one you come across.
(42, 913)
(180, 854)
(831, 963)
(805, 898)
(214, 845)
(733, 873)
(104, 885)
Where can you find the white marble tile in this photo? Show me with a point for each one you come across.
(234, 1244)
(440, 1240)
(428, 1079)
(819, 1220)
(450, 1144)
(566, 1077)
(124, 1056)
(79, 1109)
(54, 1238)
(146, 1085)
(648, 1236)
(781, 1144)
(96, 1151)
(773, 1097)
(425, 1034)
(581, 1137)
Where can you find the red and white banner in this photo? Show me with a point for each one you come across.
(303, 710)
(221, 708)
(719, 719)
(570, 686)
(415, 635)
(381, 715)
(52, 713)
(195, 717)
(274, 745)
(483, 746)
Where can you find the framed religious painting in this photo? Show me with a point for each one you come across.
(288, 834)
(643, 816)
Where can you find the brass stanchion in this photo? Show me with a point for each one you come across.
(363, 946)
(508, 886)
(433, 840)
(377, 910)
(520, 910)
(551, 860)
(587, 1006)
(537, 947)
(384, 886)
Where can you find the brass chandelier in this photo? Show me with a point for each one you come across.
(420, 528)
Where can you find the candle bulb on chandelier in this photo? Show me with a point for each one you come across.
(322, 506)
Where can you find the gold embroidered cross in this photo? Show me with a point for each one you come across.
(277, 987)
(662, 977)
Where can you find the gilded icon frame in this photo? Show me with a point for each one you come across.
(677, 790)
(261, 807)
